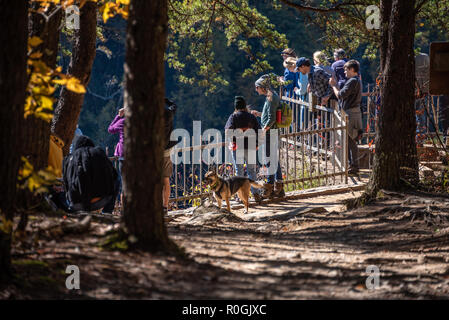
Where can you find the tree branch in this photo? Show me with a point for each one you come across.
(337, 8)
(419, 5)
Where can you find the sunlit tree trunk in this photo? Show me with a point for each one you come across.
(144, 134)
(13, 80)
(396, 156)
(69, 105)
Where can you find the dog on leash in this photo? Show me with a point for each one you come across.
(226, 188)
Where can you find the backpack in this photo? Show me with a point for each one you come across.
(88, 174)
(284, 115)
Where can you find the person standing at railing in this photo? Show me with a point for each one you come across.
(242, 119)
(290, 78)
(275, 185)
(350, 98)
(169, 114)
(118, 126)
(320, 60)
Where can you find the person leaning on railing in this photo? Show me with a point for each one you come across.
(274, 186)
(318, 80)
(350, 98)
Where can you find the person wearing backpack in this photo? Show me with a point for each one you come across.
(274, 186)
(90, 180)
(242, 119)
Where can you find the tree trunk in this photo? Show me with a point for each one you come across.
(69, 105)
(37, 131)
(13, 81)
(396, 156)
(144, 134)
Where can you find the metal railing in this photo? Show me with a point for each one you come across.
(312, 153)
(427, 119)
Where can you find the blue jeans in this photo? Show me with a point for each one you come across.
(278, 175)
(251, 168)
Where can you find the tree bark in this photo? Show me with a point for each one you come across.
(13, 81)
(69, 105)
(144, 134)
(396, 156)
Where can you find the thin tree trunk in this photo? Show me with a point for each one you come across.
(69, 105)
(385, 11)
(396, 157)
(144, 137)
(13, 81)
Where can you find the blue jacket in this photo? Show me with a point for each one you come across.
(292, 77)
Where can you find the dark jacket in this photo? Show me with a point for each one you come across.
(350, 96)
(87, 173)
(243, 120)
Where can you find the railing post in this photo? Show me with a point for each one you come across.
(345, 149)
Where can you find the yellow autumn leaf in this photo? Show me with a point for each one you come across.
(109, 10)
(46, 103)
(29, 103)
(49, 174)
(124, 2)
(26, 169)
(33, 183)
(73, 84)
(36, 55)
(34, 41)
(60, 81)
(44, 116)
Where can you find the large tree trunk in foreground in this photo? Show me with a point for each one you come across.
(396, 157)
(69, 105)
(37, 131)
(144, 134)
(13, 81)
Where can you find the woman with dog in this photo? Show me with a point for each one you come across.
(274, 186)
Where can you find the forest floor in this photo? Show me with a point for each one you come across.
(293, 249)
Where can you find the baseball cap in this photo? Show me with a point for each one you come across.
(301, 61)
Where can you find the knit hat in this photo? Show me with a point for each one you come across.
(263, 82)
(239, 103)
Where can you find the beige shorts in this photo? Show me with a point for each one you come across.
(167, 167)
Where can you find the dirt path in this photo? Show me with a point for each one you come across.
(288, 250)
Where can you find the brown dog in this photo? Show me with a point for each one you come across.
(226, 188)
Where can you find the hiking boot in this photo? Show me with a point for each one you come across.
(267, 190)
(279, 189)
